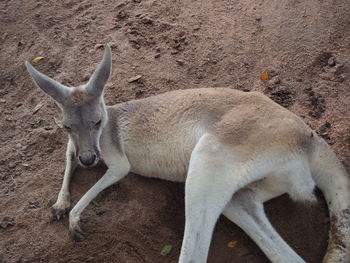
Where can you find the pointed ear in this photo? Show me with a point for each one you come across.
(51, 87)
(101, 75)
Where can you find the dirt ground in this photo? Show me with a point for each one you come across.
(304, 46)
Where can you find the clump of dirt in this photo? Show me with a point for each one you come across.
(317, 103)
(171, 45)
(283, 96)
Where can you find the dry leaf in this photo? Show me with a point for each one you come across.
(81, 7)
(37, 59)
(38, 107)
(136, 78)
(232, 244)
(58, 123)
(264, 76)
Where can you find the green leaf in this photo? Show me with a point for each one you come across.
(166, 250)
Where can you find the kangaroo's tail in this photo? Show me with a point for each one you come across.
(331, 177)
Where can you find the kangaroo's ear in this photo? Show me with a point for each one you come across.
(101, 75)
(51, 87)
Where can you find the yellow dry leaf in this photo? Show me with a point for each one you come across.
(232, 244)
(264, 76)
(83, 6)
(37, 59)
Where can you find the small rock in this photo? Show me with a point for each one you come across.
(331, 62)
(122, 15)
(97, 46)
(147, 21)
(136, 78)
(326, 76)
(19, 104)
(275, 81)
(113, 45)
(6, 222)
(258, 18)
(2, 101)
(157, 55)
(324, 127)
(180, 62)
(272, 73)
(34, 204)
(139, 93)
(12, 165)
(4, 36)
(196, 28)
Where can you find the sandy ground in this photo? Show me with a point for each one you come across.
(303, 45)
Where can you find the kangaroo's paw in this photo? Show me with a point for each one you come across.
(60, 209)
(75, 229)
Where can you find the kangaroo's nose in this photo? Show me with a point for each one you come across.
(87, 158)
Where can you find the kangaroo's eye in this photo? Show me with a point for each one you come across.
(97, 124)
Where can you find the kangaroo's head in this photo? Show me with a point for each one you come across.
(83, 108)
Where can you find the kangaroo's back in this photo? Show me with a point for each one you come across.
(169, 125)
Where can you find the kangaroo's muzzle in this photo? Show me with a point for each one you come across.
(87, 158)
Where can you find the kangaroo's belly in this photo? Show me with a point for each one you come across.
(167, 161)
(166, 156)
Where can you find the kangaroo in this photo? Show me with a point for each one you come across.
(234, 150)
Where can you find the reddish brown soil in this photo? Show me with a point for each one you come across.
(173, 44)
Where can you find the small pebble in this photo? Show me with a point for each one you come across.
(331, 62)
(122, 15)
(196, 28)
(272, 73)
(6, 222)
(113, 45)
(97, 46)
(258, 18)
(180, 62)
(12, 165)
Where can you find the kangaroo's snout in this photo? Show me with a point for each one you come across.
(87, 158)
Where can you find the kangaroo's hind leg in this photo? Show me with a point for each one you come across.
(289, 174)
(247, 211)
(213, 177)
